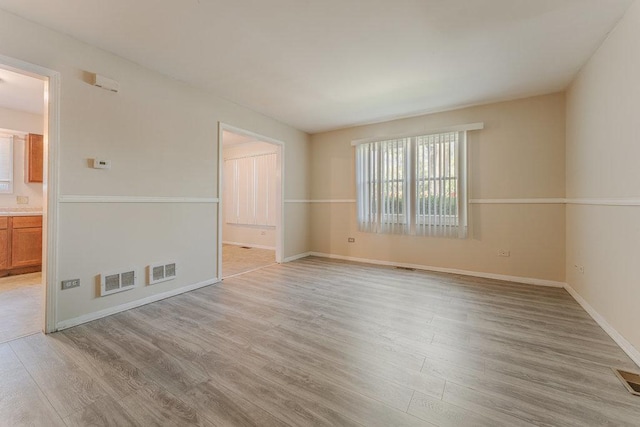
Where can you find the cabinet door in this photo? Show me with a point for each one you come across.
(4, 249)
(26, 247)
(34, 157)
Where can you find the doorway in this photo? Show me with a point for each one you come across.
(250, 202)
(29, 111)
(22, 123)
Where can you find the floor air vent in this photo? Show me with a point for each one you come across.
(630, 380)
(157, 273)
(110, 283)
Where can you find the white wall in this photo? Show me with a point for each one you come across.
(23, 122)
(603, 152)
(161, 137)
(254, 236)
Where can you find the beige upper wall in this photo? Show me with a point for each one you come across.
(519, 154)
(603, 148)
(161, 137)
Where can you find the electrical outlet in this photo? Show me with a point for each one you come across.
(263, 233)
(351, 240)
(503, 252)
(580, 268)
(68, 284)
(22, 200)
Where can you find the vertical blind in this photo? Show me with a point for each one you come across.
(413, 185)
(250, 190)
(382, 186)
(6, 163)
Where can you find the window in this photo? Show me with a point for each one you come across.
(413, 185)
(6, 164)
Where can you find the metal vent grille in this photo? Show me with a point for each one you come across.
(128, 278)
(170, 270)
(112, 282)
(158, 273)
(161, 272)
(630, 380)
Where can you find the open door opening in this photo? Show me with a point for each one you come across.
(250, 197)
(23, 125)
(29, 127)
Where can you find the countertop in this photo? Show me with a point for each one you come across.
(20, 211)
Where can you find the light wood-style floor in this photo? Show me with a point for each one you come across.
(239, 259)
(21, 299)
(321, 342)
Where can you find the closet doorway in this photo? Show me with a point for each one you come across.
(250, 202)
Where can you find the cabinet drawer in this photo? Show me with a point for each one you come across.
(4, 222)
(27, 221)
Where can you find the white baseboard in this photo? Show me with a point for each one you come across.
(298, 256)
(129, 305)
(626, 346)
(250, 245)
(517, 279)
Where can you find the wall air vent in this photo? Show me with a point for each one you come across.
(110, 283)
(630, 380)
(161, 272)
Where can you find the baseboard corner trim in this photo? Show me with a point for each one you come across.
(516, 279)
(626, 346)
(298, 256)
(69, 323)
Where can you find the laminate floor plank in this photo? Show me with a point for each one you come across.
(380, 381)
(445, 414)
(21, 400)
(326, 342)
(225, 408)
(62, 381)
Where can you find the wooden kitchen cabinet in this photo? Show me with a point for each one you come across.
(4, 243)
(20, 244)
(34, 157)
(26, 241)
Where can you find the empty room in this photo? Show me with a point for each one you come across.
(340, 213)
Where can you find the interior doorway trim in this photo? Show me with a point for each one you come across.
(280, 205)
(50, 184)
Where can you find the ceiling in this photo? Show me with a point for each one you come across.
(22, 93)
(321, 65)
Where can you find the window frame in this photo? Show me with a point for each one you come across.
(11, 143)
(419, 224)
